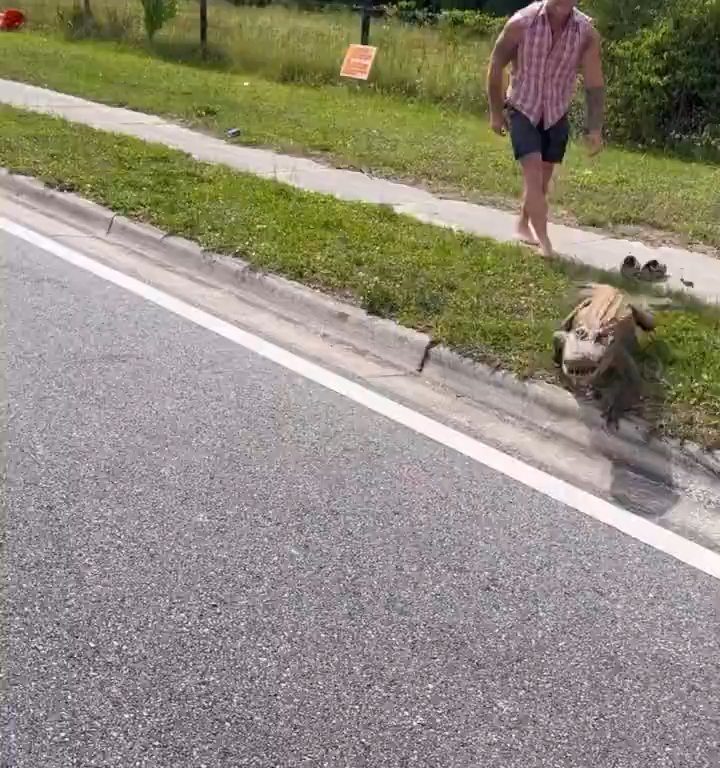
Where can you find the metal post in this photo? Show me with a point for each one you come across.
(365, 24)
(203, 27)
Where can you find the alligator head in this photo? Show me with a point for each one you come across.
(582, 353)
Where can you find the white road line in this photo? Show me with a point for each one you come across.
(653, 535)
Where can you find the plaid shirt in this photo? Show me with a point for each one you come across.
(544, 75)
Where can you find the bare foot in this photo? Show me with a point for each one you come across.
(524, 234)
(546, 248)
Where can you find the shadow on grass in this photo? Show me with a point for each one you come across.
(125, 29)
(218, 59)
(190, 54)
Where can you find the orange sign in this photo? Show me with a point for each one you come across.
(358, 61)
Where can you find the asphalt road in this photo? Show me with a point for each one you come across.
(210, 561)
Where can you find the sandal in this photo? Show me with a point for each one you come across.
(653, 270)
(630, 267)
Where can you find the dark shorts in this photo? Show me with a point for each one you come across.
(527, 138)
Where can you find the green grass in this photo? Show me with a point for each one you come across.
(395, 137)
(287, 45)
(495, 303)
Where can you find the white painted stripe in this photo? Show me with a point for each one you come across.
(638, 528)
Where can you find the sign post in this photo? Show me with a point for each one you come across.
(365, 22)
(359, 58)
(368, 9)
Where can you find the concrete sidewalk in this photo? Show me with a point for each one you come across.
(593, 249)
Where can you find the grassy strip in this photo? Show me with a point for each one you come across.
(390, 136)
(495, 303)
(289, 45)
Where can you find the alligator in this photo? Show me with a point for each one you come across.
(597, 339)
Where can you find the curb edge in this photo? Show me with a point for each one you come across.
(411, 347)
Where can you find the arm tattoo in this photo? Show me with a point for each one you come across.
(595, 103)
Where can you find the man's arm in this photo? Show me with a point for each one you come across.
(503, 53)
(594, 84)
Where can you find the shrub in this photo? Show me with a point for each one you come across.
(156, 13)
(503, 7)
(472, 23)
(664, 80)
(412, 12)
(617, 19)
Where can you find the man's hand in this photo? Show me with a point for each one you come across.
(594, 142)
(498, 123)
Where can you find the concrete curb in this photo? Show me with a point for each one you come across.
(407, 345)
(633, 443)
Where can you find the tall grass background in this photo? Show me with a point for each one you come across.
(444, 65)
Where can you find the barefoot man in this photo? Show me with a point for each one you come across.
(548, 44)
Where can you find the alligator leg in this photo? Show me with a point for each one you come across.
(644, 319)
(626, 390)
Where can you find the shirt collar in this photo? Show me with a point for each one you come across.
(543, 13)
